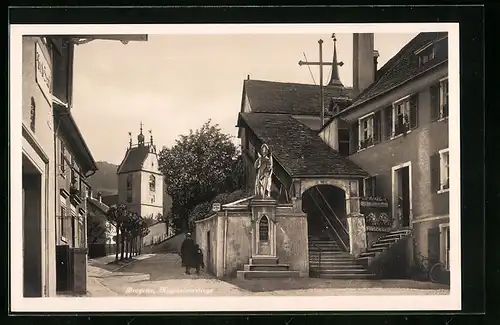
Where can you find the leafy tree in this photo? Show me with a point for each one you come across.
(198, 167)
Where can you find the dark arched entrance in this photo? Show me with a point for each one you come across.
(325, 206)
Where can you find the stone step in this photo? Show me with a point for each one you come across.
(333, 262)
(387, 240)
(266, 274)
(268, 260)
(266, 267)
(384, 244)
(347, 276)
(329, 254)
(344, 271)
(334, 265)
(326, 268)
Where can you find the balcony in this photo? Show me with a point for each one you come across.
(75, 192)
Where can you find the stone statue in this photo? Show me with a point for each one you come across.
(264, 170)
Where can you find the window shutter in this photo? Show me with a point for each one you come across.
(414, 111)
(433, 245)
(434, 102)
(377, 126)
(388, 122)
(354, 137)
(434, 167)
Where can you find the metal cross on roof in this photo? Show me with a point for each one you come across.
(334, 80)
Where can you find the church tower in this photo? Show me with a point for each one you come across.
(140, 182)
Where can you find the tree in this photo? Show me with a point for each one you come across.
(198, 167)
(117, 215)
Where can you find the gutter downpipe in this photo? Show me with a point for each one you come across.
(225, 244)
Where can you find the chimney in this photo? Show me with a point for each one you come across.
(375, 64)
(363, 61)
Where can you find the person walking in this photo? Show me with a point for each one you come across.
(199, 259)
(188, 253)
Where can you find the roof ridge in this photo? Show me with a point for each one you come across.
(393, 61)
(123, 161)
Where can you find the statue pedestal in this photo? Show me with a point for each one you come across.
(263, 227)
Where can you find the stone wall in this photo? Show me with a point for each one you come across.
(208, 245)
(292, 242)
(230, 240)
(238, 241)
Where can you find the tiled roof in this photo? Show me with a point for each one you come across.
(101, 206)
(297, 148)
(404, 66)
(292, 98)
(134, 158)
(110, 200)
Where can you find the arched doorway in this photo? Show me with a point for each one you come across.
(325, 206)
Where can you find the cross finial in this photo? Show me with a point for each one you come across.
(334, 37)
(141, 127)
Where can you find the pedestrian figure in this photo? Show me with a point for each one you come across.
(188, 253)
(199, 259)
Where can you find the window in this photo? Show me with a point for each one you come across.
(369, 186)
(152, 183)
(444, 170)
(153, 198)
(63, 159)
(427, 54)
(264, 229)
(129, 196)
(366, 131)
(353, 189)
(400, 113)
(129, 181)
(404, 115)
(63, 223)
(344, 142)
(444, 231)
(443, 98)
(32, 115)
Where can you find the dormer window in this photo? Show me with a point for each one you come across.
(426, 54)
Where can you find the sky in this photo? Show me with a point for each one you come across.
(174, 83)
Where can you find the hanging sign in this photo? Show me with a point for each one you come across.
(216, 207)
(43, 76)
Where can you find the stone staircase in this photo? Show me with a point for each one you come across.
(335, 263)
(383, 243)
(266, 267)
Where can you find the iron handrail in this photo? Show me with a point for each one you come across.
(333, 212)
(319, 258)
(328, 221)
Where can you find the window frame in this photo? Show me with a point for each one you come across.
(152, 183)
(428, 52)
(365, 180)
(62, 222)
(441, 99)
(266, 237)
(442, 153)
(444, 239)
(361, 131)
(404, 100)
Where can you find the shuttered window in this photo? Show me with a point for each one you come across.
(387, 122)
(354, 137)
(433, 242)
(434, 90)
(434, 166)
(377, 126)
(413, 111)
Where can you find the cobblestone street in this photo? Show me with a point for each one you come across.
(162, 275)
